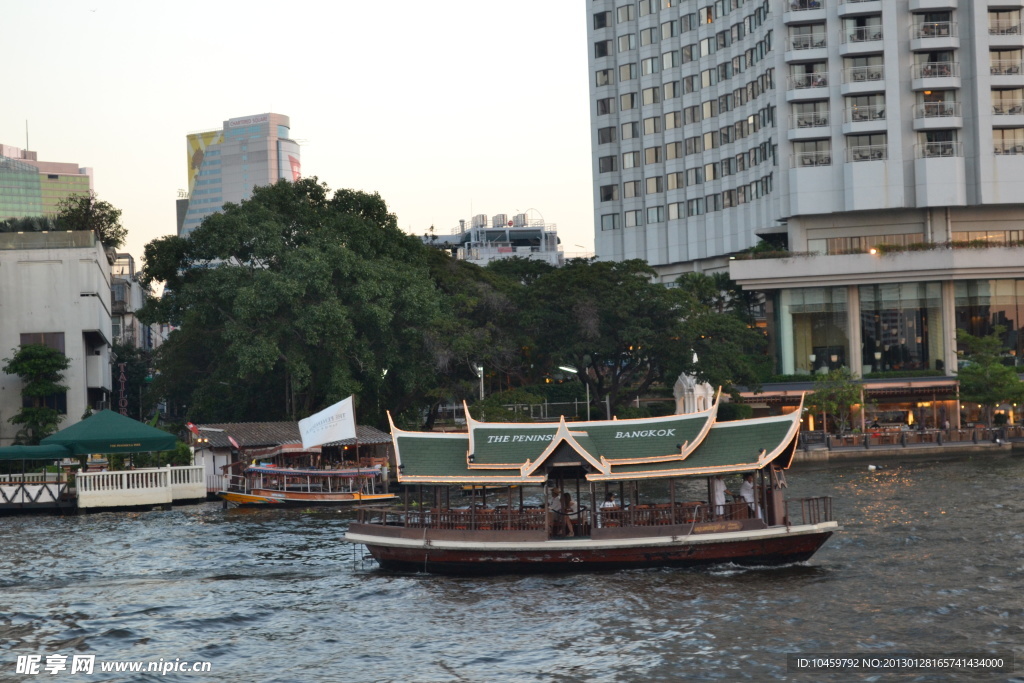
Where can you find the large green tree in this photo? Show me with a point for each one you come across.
(290, 301)
(983, 378)
(834, 394)
(88, 212)
(41, 370)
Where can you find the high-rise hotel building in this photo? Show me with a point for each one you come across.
(832, 127)
(31, 188)
(836, 123)
(224, 165)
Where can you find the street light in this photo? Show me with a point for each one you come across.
(585, 384)
(480, 373)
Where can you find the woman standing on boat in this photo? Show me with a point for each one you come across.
(568, 510)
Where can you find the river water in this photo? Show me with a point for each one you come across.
(931, 560)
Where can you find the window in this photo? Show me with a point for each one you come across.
(711, 140)
(674, 150)
(648, 66)
(668, 29)
(652, 155)
(673, 119)
(602, 48)
(695, 176)
(606, 165)
(628, 101)
(706, 15)
(627, 72)
(651, 95)
(867, 147)
(691, 84)
(713, 202)
(655, 214)
(609, 193)
(675, 181)
(602, 19)
(631, 189)
(634, 219)
(605, 135)
(709, 109)
(670, 90)
(688, 53)
(712, 172)
(724, 103)
(669, 59)
(626, 13)
(603, 77)
(708, 78)
(630, 159)
(861, 108)
(676, 211)
(627, 42)
(609, 221)
(51, 340)
(812, 153)
(605, 105)
(654, 185)
(693, 145)
(692, 114)
(649, 36)
(707, 47)
(695, 207)
(687, 22)
(647, 7)
(630, 130)
(652, 125)
(725, 135)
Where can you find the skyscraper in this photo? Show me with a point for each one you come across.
(29, 187)
(224, 165)
(832, 124)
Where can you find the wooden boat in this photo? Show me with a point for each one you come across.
(268, 485)
(649, 462)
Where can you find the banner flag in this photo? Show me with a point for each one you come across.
(335, 423)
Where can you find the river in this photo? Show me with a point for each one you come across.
(929, 561)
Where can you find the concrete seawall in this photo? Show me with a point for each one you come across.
(818, 456)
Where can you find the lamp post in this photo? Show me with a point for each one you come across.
(585, 384)
(480, 373)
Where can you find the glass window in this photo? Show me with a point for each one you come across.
(602, 48)
(609, 221)
(654, 185)
(606, 164)
(670, 90)
(655, 214)
(605, 105)
(630, 159)
(675, 181)
(634, 219)
(648, 66)
(609, 193)
(627, 72)
(603, 77)
(631, 189)
(815, 334)
(602, 19)
(652, 125)
(652, 155)
(673, 119)
(626, 13)
(674, 150)
(649, 36)
(627, 42)
(651, 95)
(901, 326)
(630, 130)
(628, 101)
(605, 135)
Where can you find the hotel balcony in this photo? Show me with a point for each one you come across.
(1008, 114)
(805, 159)
(1008, 147)
(861, 40)
(934, 35)
(808, 126)
(866, 119)
(804, 11)
(808, 47)
(1006, 73)
(935, 76)
(933, 150)
(936, 115)
(812, 86)
(1005, 34)
(863, 79)
(867, 153)
(924, 5)
(853, 8)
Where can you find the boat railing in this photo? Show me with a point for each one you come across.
(480, 519)
(812, 510)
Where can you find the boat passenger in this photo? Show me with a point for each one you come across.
(718, 492)
(610, 504)
(568, 511)
(747, 494)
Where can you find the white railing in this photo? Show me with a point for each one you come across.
(808, 41)
(857, 74)
(818, 79)
(935, 70)
(804, 159)
(803, 5)
(128, 488)
(1003, 28)
(867, 153)
(929, 110)
(215, 482)
(868, 112)
(1009, 147)
(862, 34)
(929, 150)
(1005, 67)
(40, 493)
(187, 483)
(1008, 107)
(33, 477)
(814, 119)
(933, 29)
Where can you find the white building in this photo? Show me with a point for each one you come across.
(55, 290)
(504, 236)
(127, 297)
(833, 124)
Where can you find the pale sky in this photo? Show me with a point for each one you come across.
(447, 108)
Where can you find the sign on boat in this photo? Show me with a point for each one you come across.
(561, 515)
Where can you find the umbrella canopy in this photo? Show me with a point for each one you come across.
(48, 452)
(110, 432)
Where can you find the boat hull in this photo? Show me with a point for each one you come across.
(763, 547)
(261, 497)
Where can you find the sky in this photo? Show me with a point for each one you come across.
(447, 109)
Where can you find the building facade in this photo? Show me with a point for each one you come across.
(127, 296)
(504, 236)
(224, 165)
(55, 290)
(30, 188)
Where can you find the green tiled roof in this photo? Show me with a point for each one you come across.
(510, 443)
(423, 456)
(645, 438)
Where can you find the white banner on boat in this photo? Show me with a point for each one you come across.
(336, 423)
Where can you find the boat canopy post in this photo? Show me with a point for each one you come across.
(593, 505)
(672, 493)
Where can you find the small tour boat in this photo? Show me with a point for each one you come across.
(268, 485)
(650, 464)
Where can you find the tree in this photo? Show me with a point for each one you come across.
(87, 212)
(983, 378)
(41, 369)
(291, 301)
(834, 394)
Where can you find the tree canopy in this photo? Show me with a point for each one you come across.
(983, 377)
(41, 369)
(87, 212)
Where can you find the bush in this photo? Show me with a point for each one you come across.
(734, 411)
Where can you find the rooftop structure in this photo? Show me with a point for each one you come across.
(503, 236)
(30, 188)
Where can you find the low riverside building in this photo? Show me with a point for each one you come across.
(518, 236)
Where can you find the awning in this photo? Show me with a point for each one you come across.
(46, 452)
(110, 432)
